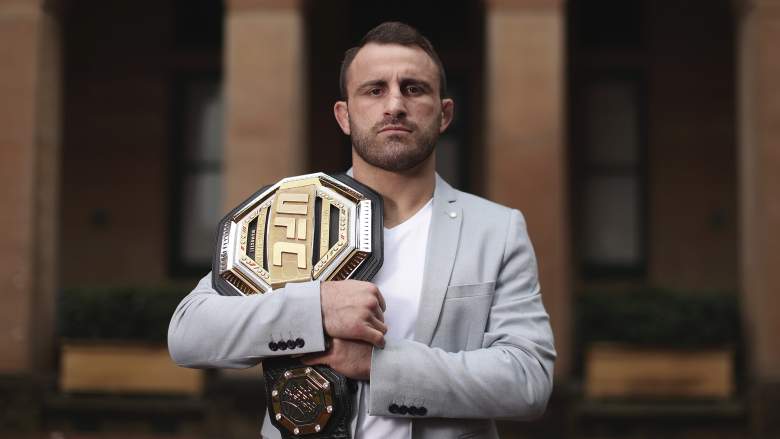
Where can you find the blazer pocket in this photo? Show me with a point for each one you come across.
(464, 317)
(470, 290)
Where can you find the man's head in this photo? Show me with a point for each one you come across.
(392, 107)
(393, 32)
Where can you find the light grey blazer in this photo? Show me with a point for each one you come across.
(483, 347)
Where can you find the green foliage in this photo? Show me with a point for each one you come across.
(653, 317)
(127, 313)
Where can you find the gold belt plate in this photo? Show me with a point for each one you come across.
(310, 227)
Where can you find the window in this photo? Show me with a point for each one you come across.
(611, 177)
(197, 166)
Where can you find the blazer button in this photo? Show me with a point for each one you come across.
(291, 344)
(422, 411)
(393, 408)
(403, 410)
(272, 346)
(282, 345)
(413, 410)
(300, 342)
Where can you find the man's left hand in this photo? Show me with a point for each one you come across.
(348, 357)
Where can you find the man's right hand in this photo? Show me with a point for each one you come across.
(353, 309)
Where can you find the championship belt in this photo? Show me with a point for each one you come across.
(309, 227)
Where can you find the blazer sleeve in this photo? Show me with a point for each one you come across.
(211, 330)
(510, 376)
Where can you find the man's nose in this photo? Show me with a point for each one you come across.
(395, 105)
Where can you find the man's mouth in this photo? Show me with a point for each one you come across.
(395, 128)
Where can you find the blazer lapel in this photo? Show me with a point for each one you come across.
(443, 238)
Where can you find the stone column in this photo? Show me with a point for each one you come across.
(29, 183)
(265, 90)
(759, 178)
(526, 158)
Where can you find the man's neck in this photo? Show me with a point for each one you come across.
(403, 193)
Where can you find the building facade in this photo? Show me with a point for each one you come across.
(640, 139)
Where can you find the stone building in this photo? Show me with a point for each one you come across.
(640, 138)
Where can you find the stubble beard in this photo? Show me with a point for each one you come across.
(397, 153)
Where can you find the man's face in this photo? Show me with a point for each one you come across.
(394, 113)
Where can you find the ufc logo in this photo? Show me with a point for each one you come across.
(291, 213)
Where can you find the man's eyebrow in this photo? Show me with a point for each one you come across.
(418, 82)
(372, 83)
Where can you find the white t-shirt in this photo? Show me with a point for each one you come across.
(400, 282)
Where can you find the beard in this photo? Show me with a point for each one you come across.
(396, 153)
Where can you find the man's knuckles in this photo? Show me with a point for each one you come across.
(358, 327)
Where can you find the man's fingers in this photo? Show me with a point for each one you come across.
(375, 337)
(375, 303)
(378, 315)
(381, 300)
(372, 288)
(377, 324)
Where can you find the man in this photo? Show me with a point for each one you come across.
(451, 333)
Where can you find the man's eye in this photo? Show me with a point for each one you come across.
(375, 91)
(413, 90)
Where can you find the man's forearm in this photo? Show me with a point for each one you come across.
(503, 381)
(210, 330)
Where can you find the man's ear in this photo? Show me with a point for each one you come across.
(447, 112)
(341, 111)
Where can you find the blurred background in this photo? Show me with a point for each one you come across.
(641, 139)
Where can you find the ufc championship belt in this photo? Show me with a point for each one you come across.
(309, 227)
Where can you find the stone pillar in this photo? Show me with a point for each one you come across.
(29, 184)
(526, 158)
(265, 90)
(759, 178)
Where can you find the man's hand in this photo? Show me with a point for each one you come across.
(347, 357)
(354, 310)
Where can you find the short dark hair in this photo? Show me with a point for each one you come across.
(393, 32)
